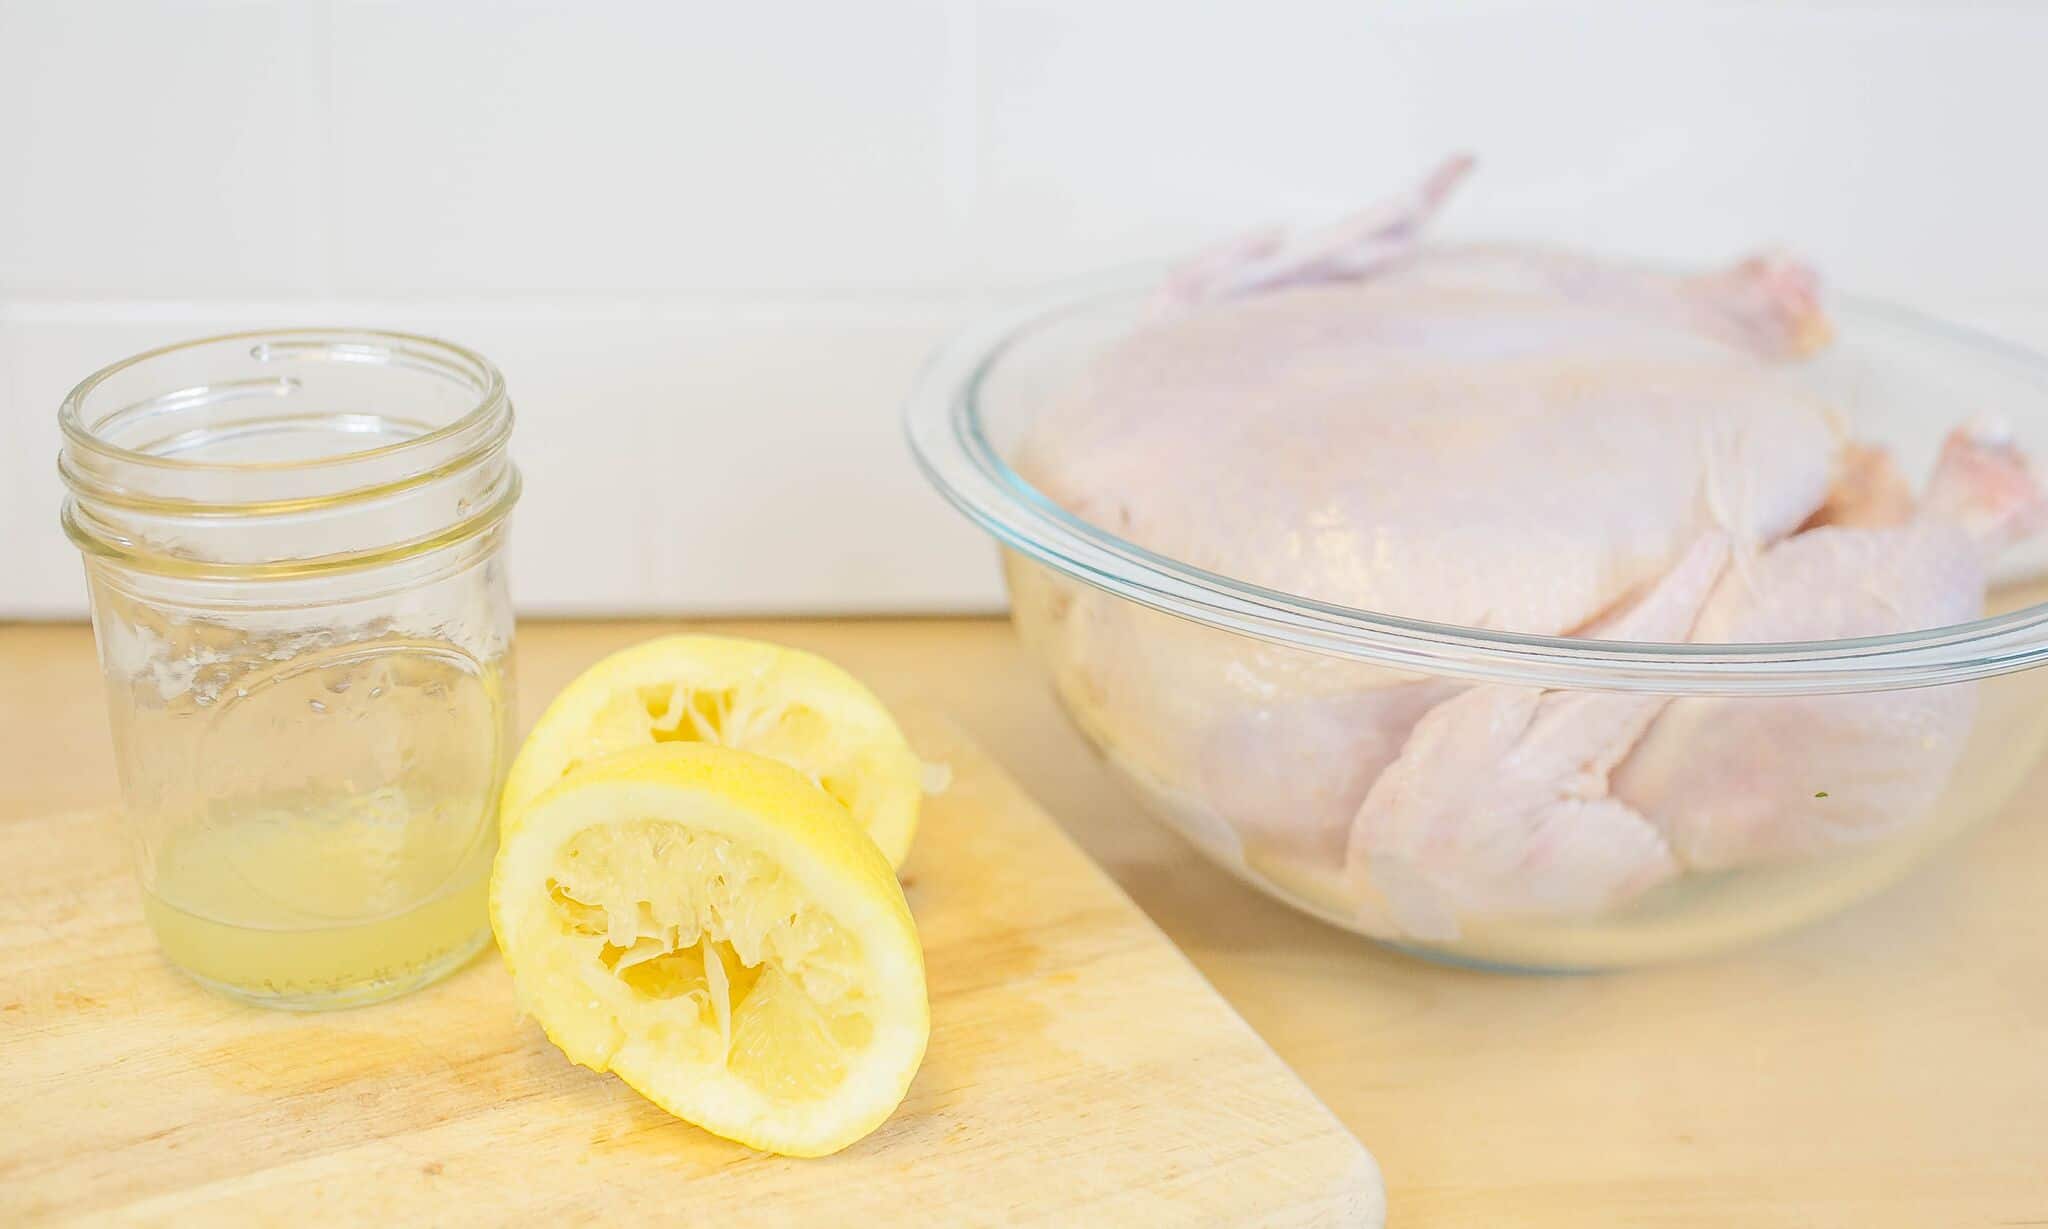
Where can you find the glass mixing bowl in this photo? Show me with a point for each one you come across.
(1222, 703)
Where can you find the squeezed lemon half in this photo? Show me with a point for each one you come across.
(717, 931)
(778, 702)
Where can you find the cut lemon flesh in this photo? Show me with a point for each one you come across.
(779, 702)
(714, 929)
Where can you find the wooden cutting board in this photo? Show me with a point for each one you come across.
(1080, 1072)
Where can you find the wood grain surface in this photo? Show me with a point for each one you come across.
(1080, 1071)
(1888, 1067)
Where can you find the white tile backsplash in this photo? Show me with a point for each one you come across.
(608, 147)
(158, 149)
(722, 460)
(711, 244)
(707, 458)
(1887, 141)
(1134, 128)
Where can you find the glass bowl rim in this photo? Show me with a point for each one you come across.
(943, 422)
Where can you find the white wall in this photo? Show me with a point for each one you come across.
(711, 243)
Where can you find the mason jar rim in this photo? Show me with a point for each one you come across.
(106, 480)
(71, 418)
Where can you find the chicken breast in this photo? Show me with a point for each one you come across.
(1503, 437)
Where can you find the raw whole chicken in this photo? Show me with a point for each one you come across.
(1521, 439)
(1504, 438)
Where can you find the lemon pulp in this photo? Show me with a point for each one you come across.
(727, 962)
(716, 930)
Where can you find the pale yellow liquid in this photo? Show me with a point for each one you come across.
(367, 899)
(320, 826)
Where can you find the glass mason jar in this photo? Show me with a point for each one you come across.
(294, 544)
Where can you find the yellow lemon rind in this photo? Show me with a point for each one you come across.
(886, 762)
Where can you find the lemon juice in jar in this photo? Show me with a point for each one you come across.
(331, 908)
(339, 822)
(292, 883)
(294, 543)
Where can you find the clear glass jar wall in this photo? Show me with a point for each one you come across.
(294, 544)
